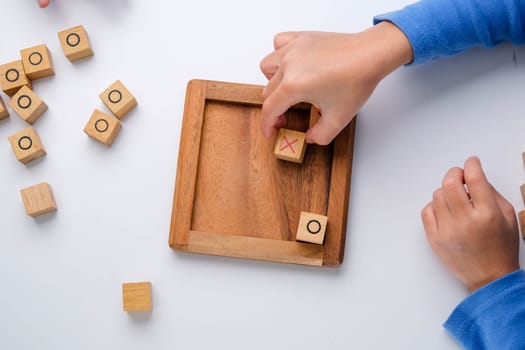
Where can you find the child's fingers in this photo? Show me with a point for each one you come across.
(282, 39)
(272, 84)
(271, 63)
(325, 130)
(428, 216)
(440, 204)
(43, 3)
(481, 192)
(274, 106)
(455, 193)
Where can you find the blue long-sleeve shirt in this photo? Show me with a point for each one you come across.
(438, 28)
(494, 316)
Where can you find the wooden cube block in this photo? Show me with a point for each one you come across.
(75, 43)
(118, 99)
(290, 145)
(102, 127)
(38, 199)
(27, 105)
(37, 62)
(4, 113)
(27, 145)
(312, 228)
(13, 77)
(136, 296)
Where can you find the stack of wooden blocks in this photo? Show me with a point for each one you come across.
(291, 146)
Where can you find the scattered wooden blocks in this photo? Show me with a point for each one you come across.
(4, 113)
(37, 62)
(290, 145)
(75, 43)
(136, 296)
(13, 77)
(102, 127)
(27, 105)
(312, 228)
(118, 99)
(27, 145)
(38, 199)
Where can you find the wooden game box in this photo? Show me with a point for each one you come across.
(234, 198)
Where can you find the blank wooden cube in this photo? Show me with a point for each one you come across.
(37, 62)
(118, 99)
(102, 127)
(27, 145)
(38, 200)
(75, 43)
(4, 113)
(136, 296)
(27, 105)
(312, 228)
(290, 145)
(13, 77)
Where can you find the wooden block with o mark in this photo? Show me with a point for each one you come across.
(118, 99)
(13, 77)
(27, 105)
(4, 113)
(38, 199)
(102, 127)
(290, 145)
(136, 296)
(37, 62)
(75, 43)
(27, 145)
(311, 228)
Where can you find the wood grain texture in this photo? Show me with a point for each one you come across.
(521, 218)
(254, 248)
(38, 199)
(136, 296)
(231, 190)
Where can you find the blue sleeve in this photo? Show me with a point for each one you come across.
(493, 317)
(438, 28)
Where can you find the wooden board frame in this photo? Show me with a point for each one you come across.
(184, 238)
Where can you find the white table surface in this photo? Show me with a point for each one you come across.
(61, 275)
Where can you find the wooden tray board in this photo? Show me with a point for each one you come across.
(234, 198)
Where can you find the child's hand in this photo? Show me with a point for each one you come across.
(473, 230)
(44, 3)
(335, 72)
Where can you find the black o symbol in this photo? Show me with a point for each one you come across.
(35, 58)
(101, 125)
(27, 139)
(9, 75)
(24, 102)
(115, 96)
(316, 226)
(73, 39)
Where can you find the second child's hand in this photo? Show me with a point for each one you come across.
(44, 3)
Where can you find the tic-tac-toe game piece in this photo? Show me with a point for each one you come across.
(27, 105)
(102, 127)
(13, 77)
(4, 113)
(118, 99)
(290, 145)
(312, 228)
(521, 219)
(27, 145)
(75, 43)
(38, 199)
(136, 296)
(37, 62)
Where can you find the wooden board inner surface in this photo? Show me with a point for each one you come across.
(242, 189)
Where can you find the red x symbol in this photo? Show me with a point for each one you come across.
(288, 144)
